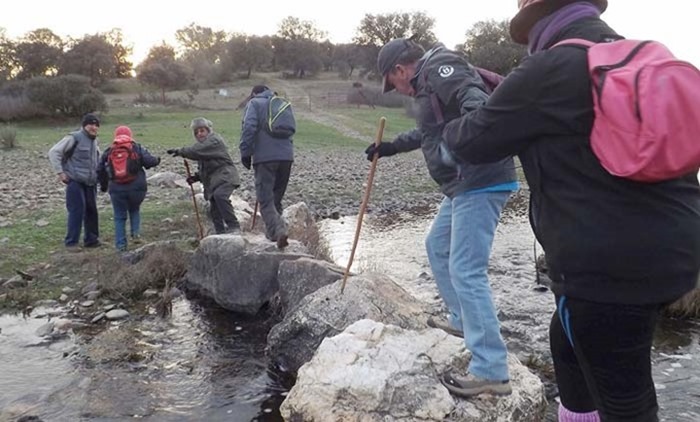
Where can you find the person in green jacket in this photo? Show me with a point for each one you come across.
(216, 172)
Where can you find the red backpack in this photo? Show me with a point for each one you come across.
(123, 161)
(647, 109)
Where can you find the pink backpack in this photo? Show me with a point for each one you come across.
(647, 109)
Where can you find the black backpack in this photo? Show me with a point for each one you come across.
(280, 118)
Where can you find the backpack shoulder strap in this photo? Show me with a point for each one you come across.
(580, 42)
(285, 104)
(71, 148)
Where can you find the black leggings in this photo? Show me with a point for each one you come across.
(602, 359)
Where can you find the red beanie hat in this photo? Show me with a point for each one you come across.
(122, 130)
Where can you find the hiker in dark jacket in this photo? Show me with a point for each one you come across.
(459, 241)
(617, 250)
(126, 198)
(216, 172)
(272, 160)
(74, 159)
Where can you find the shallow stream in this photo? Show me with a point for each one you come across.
(205, 363)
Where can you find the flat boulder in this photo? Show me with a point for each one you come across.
(326, 313)
(239, 272)
(376, 372)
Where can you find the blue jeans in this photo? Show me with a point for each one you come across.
(459, 246)
(81, 204)
(127, 202)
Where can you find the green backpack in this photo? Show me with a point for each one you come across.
(280, 118)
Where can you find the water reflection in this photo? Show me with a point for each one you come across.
(391, 244)
(30, 369)
(204, 363)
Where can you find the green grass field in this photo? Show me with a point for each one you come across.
(167, 128)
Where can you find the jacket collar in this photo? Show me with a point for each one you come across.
(437, 48)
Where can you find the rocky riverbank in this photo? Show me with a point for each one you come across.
(331, 182)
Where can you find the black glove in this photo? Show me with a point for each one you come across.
(385, 149)
(158, 161)
(246, 161)
(194, 178)
(173, 152)
(103, 187)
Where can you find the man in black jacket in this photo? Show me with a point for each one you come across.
(459, 242)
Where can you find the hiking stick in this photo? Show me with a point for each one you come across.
(255, 214)
(194, 201)
(365, 200)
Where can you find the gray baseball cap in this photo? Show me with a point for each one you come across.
(389, 56)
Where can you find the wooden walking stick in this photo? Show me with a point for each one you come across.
(365, 200)
(255, 214)
(194, 201)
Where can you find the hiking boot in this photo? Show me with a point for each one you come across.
(444, 325)
(136, 240)
(469, 385)
(282, 241)
(233, 228)
(93, 245)
(73, 248)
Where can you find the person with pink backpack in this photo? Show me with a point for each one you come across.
(607, 133)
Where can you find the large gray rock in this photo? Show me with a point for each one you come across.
(303, 277)
(239, 273)
(301, 224)
(166, 179)
(327, 312)
(376, 372)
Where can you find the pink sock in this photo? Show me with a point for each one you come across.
(566, 415)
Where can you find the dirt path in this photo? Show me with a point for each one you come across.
(321, 116)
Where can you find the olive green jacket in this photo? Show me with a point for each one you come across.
(215, 165)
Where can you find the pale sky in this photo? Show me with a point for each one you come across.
(146, 23)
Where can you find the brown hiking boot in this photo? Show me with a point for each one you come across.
(73, 248)
(444, 325)
(282, 241)
(467, 385)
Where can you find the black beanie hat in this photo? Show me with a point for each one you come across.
(257, 89)
(90, 119)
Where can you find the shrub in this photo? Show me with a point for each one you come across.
(161, 265)
(14, 88)
(17, 108)
(68, 95)
(8, 137)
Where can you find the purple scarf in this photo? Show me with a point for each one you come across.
(549, 26)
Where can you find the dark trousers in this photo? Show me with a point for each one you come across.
(126, 203)
(81, 203)
(602, 358)
(271, 179)
(221, 210)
